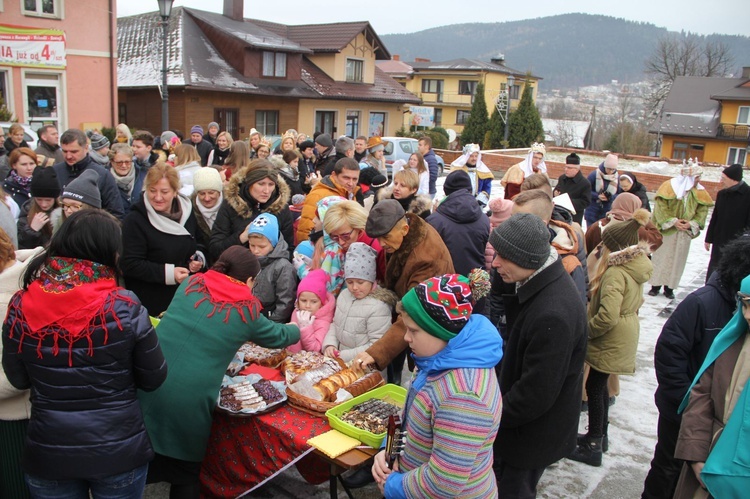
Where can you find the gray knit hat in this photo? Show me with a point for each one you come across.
(361, 262)
(98, 141)
(523, 239)
(84, 188)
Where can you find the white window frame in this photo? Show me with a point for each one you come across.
(275, 69)
(37, 12)
(734, 154)
(6, 73)
(747, 116)
(385, 121)
(356, 78)
(359, 122)
(61, 120)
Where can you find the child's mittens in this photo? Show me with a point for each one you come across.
(304, 318)
(300, 261)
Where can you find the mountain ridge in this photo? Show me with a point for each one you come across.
(566, 50)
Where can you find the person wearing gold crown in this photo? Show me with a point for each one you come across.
(534, 163)
(680, 210)
(481, 176)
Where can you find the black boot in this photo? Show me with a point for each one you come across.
(359, 478)
(584, 437)
(590, 452)
(669, 293)
(654, 291)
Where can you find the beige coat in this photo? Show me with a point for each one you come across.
(14, 403)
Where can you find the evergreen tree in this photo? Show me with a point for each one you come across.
(476, 125)
(496, 131)
(525, 123)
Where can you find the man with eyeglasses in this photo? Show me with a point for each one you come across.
(77, 160)
(573, 183)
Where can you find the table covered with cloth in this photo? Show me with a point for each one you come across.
(245, 451)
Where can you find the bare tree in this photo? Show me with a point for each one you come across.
(684, 54)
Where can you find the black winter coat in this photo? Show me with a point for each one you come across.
(86, 422)
(542, 371)
(579, 190)
(235, 214)
(731, 216)
(111, 200)
(684, 342)
(464, 228)
(28, 238)
(19, 193)
(204, 148)
(150, 254)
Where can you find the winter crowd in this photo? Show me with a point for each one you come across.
(132, 272)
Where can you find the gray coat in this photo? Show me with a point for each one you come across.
(276, 285)
(357, 324)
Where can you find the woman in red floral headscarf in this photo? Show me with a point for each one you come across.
(83, 345)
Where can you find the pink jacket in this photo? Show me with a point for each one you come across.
(312, 336)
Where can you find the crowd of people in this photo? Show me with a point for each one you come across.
(511, 316)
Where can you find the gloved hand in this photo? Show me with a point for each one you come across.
(301, 260)
(304, 318)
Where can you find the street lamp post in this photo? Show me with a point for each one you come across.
(509, 86)
(165, 10)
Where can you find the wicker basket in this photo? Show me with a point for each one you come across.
(317, 407)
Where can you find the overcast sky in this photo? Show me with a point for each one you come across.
(387, 16)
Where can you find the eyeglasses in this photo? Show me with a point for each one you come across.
(342, 237)
(123, 163)
(71, 207)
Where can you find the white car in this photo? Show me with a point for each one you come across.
(29, 135)
(401, 148)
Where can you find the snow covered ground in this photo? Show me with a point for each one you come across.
(632, 430)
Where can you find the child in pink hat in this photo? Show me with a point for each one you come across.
(313, 311)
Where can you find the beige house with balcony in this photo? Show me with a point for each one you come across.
(450, 86)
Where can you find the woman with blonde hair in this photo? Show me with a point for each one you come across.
(15, 138)
(418, 165)
(187, 162)
(160, 245)
(616, 296)
(404, 190)
(123, 134)
(221, 150)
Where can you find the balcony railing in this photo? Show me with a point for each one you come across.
(447, 98)
(734, 132)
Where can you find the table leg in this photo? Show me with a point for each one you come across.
(346, 489)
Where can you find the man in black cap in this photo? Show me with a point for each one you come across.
(542, 367)
(731, 214)
(325, 153)
(414, 252)
(575, 185)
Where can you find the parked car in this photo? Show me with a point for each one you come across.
(29, 135)
(401, 148)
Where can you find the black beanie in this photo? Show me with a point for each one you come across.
(734, 172)
(455, 181)
(44, 183)
(572, 159)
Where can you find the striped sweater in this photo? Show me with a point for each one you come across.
(452, 417)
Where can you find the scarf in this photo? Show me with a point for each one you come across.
(209, 214)
(602, 177)
(24, 182)
(225, 294)
(166, 222)
(126, 182)
(69, 301)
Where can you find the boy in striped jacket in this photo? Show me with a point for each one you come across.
(453, 407)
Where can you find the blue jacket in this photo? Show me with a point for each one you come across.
(598, 208)
(464, 228)
(432, 166)
(86, 422)
(684, 342)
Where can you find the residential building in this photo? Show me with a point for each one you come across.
(706, 118)
(449, 87)
(57, 62)
(248, 73)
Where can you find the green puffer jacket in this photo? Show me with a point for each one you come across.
(613, 312)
